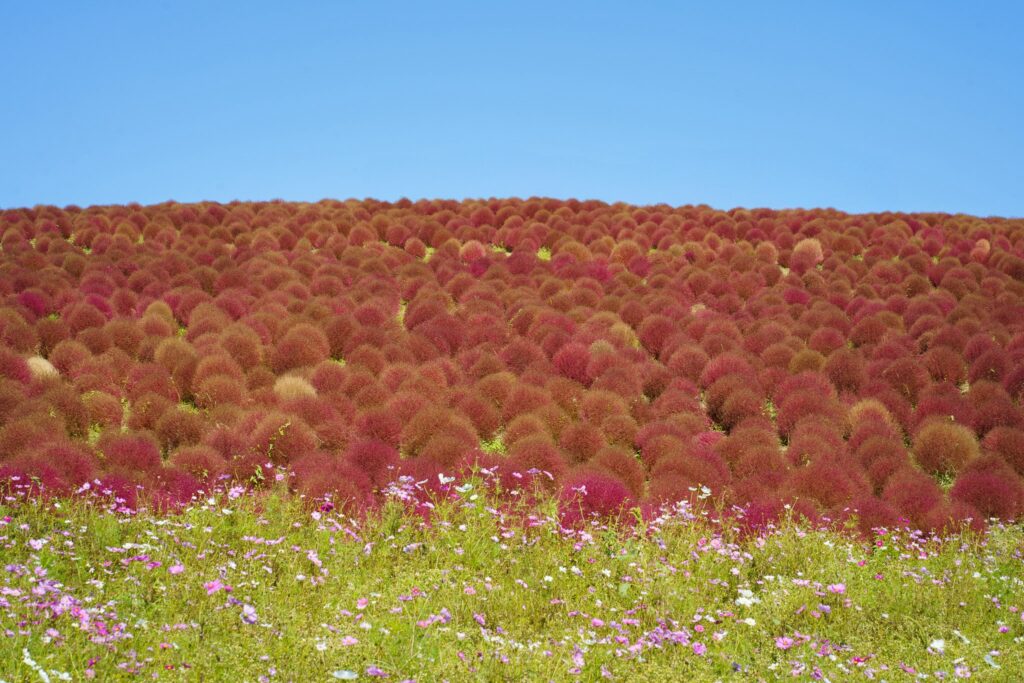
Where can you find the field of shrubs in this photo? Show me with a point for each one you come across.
(858, 375)
(642, 355)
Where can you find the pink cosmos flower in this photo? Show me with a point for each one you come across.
(349, 641)
(784, 642)
(176, 569)
(837, 588)
(699, 648)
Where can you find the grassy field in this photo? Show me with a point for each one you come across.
(258, 588)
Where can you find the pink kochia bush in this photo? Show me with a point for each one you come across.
(640, 354)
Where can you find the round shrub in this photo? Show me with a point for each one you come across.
(320, 476)
(846, 482)
(580, 441)
(811, 439)
(75, 463)
(571, 361)
(623, 465)
(301, 346)
(533, 453)
(806, 254)
(992, 487)
(654, 331)
(219, 390)
(846, 369)
(14, 367)
(41, 370)
(700, 469)
(619, 430)
(291, 387)
(765, 464)
(379, 423)
(448, 450)
(179, 427)
(873, 514)
(914, 494)
(135, 456)
(103, 409)
(587, 494)
(943, 402)
(945, 365)
(281, 439)
(1008, 443)
(521, 399)
(906, 376)
(378, 460)
(204, 463)
(942, 447)
(807, 404)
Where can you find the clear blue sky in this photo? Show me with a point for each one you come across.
(858, 106)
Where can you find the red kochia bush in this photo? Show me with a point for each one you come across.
(75, 463)
(873, 513)
(765, 464)
(522, 427)
(14, 366)
(179, 427)
(320, 475)
(135, 456)
(1008, 443)
(846, 369)
(945, 402)
(533, 453)
(449, 451)
(587, 493)
(913, 493)
(202, 462)
(993, 408)
(376, 459)
(881, 457)
(219, 390)
(381, 424)
(581, 441)
(992, 487)
(28, 433)
(302, 345)
(807, 405)
(280, 438)
(623, 465)
(571, 361)
(845, 482)
(700, 469)
(481, 412)
(654, 331)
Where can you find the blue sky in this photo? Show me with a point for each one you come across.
(858, 106)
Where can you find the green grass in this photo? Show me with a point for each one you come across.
(480, 594)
